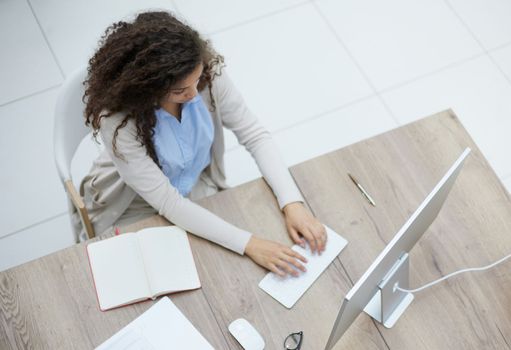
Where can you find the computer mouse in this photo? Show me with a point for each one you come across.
(248, 337)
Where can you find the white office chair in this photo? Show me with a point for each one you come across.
(69, 131)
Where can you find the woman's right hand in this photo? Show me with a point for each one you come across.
(274, 256)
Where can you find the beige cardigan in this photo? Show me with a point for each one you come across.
(113, 183)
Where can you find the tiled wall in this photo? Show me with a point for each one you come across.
(319, 74)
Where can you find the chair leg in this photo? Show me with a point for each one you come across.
(78, 203)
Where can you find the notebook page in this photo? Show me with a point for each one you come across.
(118, 271)
(168, 259)
(161, 327)
(287, 290)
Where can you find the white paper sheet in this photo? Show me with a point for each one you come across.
(161, 327)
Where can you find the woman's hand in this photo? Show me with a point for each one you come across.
(302, 224)
(274, 256)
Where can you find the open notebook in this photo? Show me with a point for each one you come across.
(287, 290)
(142, 265)
(161, 327)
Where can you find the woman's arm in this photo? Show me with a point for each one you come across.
(258, 141)
(140, 172)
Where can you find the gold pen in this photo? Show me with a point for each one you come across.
(362, 190)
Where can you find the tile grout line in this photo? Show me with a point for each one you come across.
(33, 225)
(31, 95)
(431, 73)
(374, 95)
(471, 32)
(258, 18)
(314, 117)
(63, 75)
(359, 67)
(498, 47)
(487, 53)
(324, 113)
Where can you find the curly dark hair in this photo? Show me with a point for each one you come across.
(136, 65)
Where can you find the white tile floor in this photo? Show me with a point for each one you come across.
(357, 68)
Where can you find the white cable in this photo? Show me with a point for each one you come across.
(452, 274)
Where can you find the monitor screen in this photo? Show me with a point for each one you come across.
(375, 291)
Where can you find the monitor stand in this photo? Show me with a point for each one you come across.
(388, 304)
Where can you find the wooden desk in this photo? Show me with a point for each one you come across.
(50, 302)
(399, 168)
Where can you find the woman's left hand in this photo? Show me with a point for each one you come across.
(301, 224)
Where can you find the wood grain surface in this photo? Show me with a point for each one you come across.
(50, 303)
(231, 281)
(398, 169)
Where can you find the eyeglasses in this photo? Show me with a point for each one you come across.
(293, 341)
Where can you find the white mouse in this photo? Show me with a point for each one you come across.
(246, 335)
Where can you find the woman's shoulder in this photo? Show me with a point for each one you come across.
(222, 81)
(112, 116)
(111, 122)
(113, 119)
(219, 84)
(223, 90)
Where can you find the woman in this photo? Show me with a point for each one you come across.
(158, 97)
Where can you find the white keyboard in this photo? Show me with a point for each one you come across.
(287, 290)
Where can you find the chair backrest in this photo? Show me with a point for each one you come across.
(69, 131)
(70, 128)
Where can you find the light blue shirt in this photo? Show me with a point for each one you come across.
(184, 148)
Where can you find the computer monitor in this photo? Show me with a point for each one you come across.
(375, 291)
